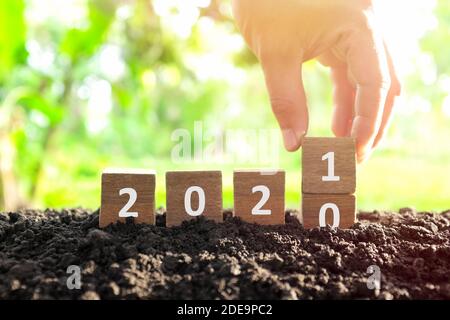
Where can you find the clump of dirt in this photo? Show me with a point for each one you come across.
(205, 260)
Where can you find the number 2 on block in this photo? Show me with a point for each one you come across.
(330, 176)
(123, 213)
(265, 196)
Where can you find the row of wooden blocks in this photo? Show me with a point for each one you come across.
(328, 185)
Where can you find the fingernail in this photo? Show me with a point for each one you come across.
(300, 137)
(291, 142)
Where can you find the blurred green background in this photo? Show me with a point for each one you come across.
(89, 84)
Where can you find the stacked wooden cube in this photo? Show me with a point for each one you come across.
(328, 182)
(259, 195)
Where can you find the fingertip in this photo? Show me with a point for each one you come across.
(378, 140)
(292, 140)
(361, 158)
(341, 129)
(363, 136)
(301, 136)
(363, 151)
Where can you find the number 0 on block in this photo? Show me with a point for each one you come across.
(336, 210)
(192, 194)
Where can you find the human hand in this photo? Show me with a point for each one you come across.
(342, 34)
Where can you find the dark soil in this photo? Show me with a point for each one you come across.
(205, 260)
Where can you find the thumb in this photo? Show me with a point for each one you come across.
(287, 97)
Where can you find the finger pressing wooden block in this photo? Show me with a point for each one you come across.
(329, 165)
(337, 210)
(259, 196)
(191, 194)
(127, 193)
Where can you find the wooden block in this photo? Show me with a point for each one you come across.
(259, 196)
(127, 193)
(329, 165)
(330, 206)
(193, 193)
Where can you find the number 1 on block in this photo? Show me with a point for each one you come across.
(328, 166)
(330, 158)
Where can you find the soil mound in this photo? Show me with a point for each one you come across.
(205, 260)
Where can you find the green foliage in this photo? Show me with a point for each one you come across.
(81, 43)
(432, 42)
(12, 36)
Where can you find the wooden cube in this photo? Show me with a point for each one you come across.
(259, 196)
(191, 194)
(329, 165)
(127, 193)
(337, 210)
